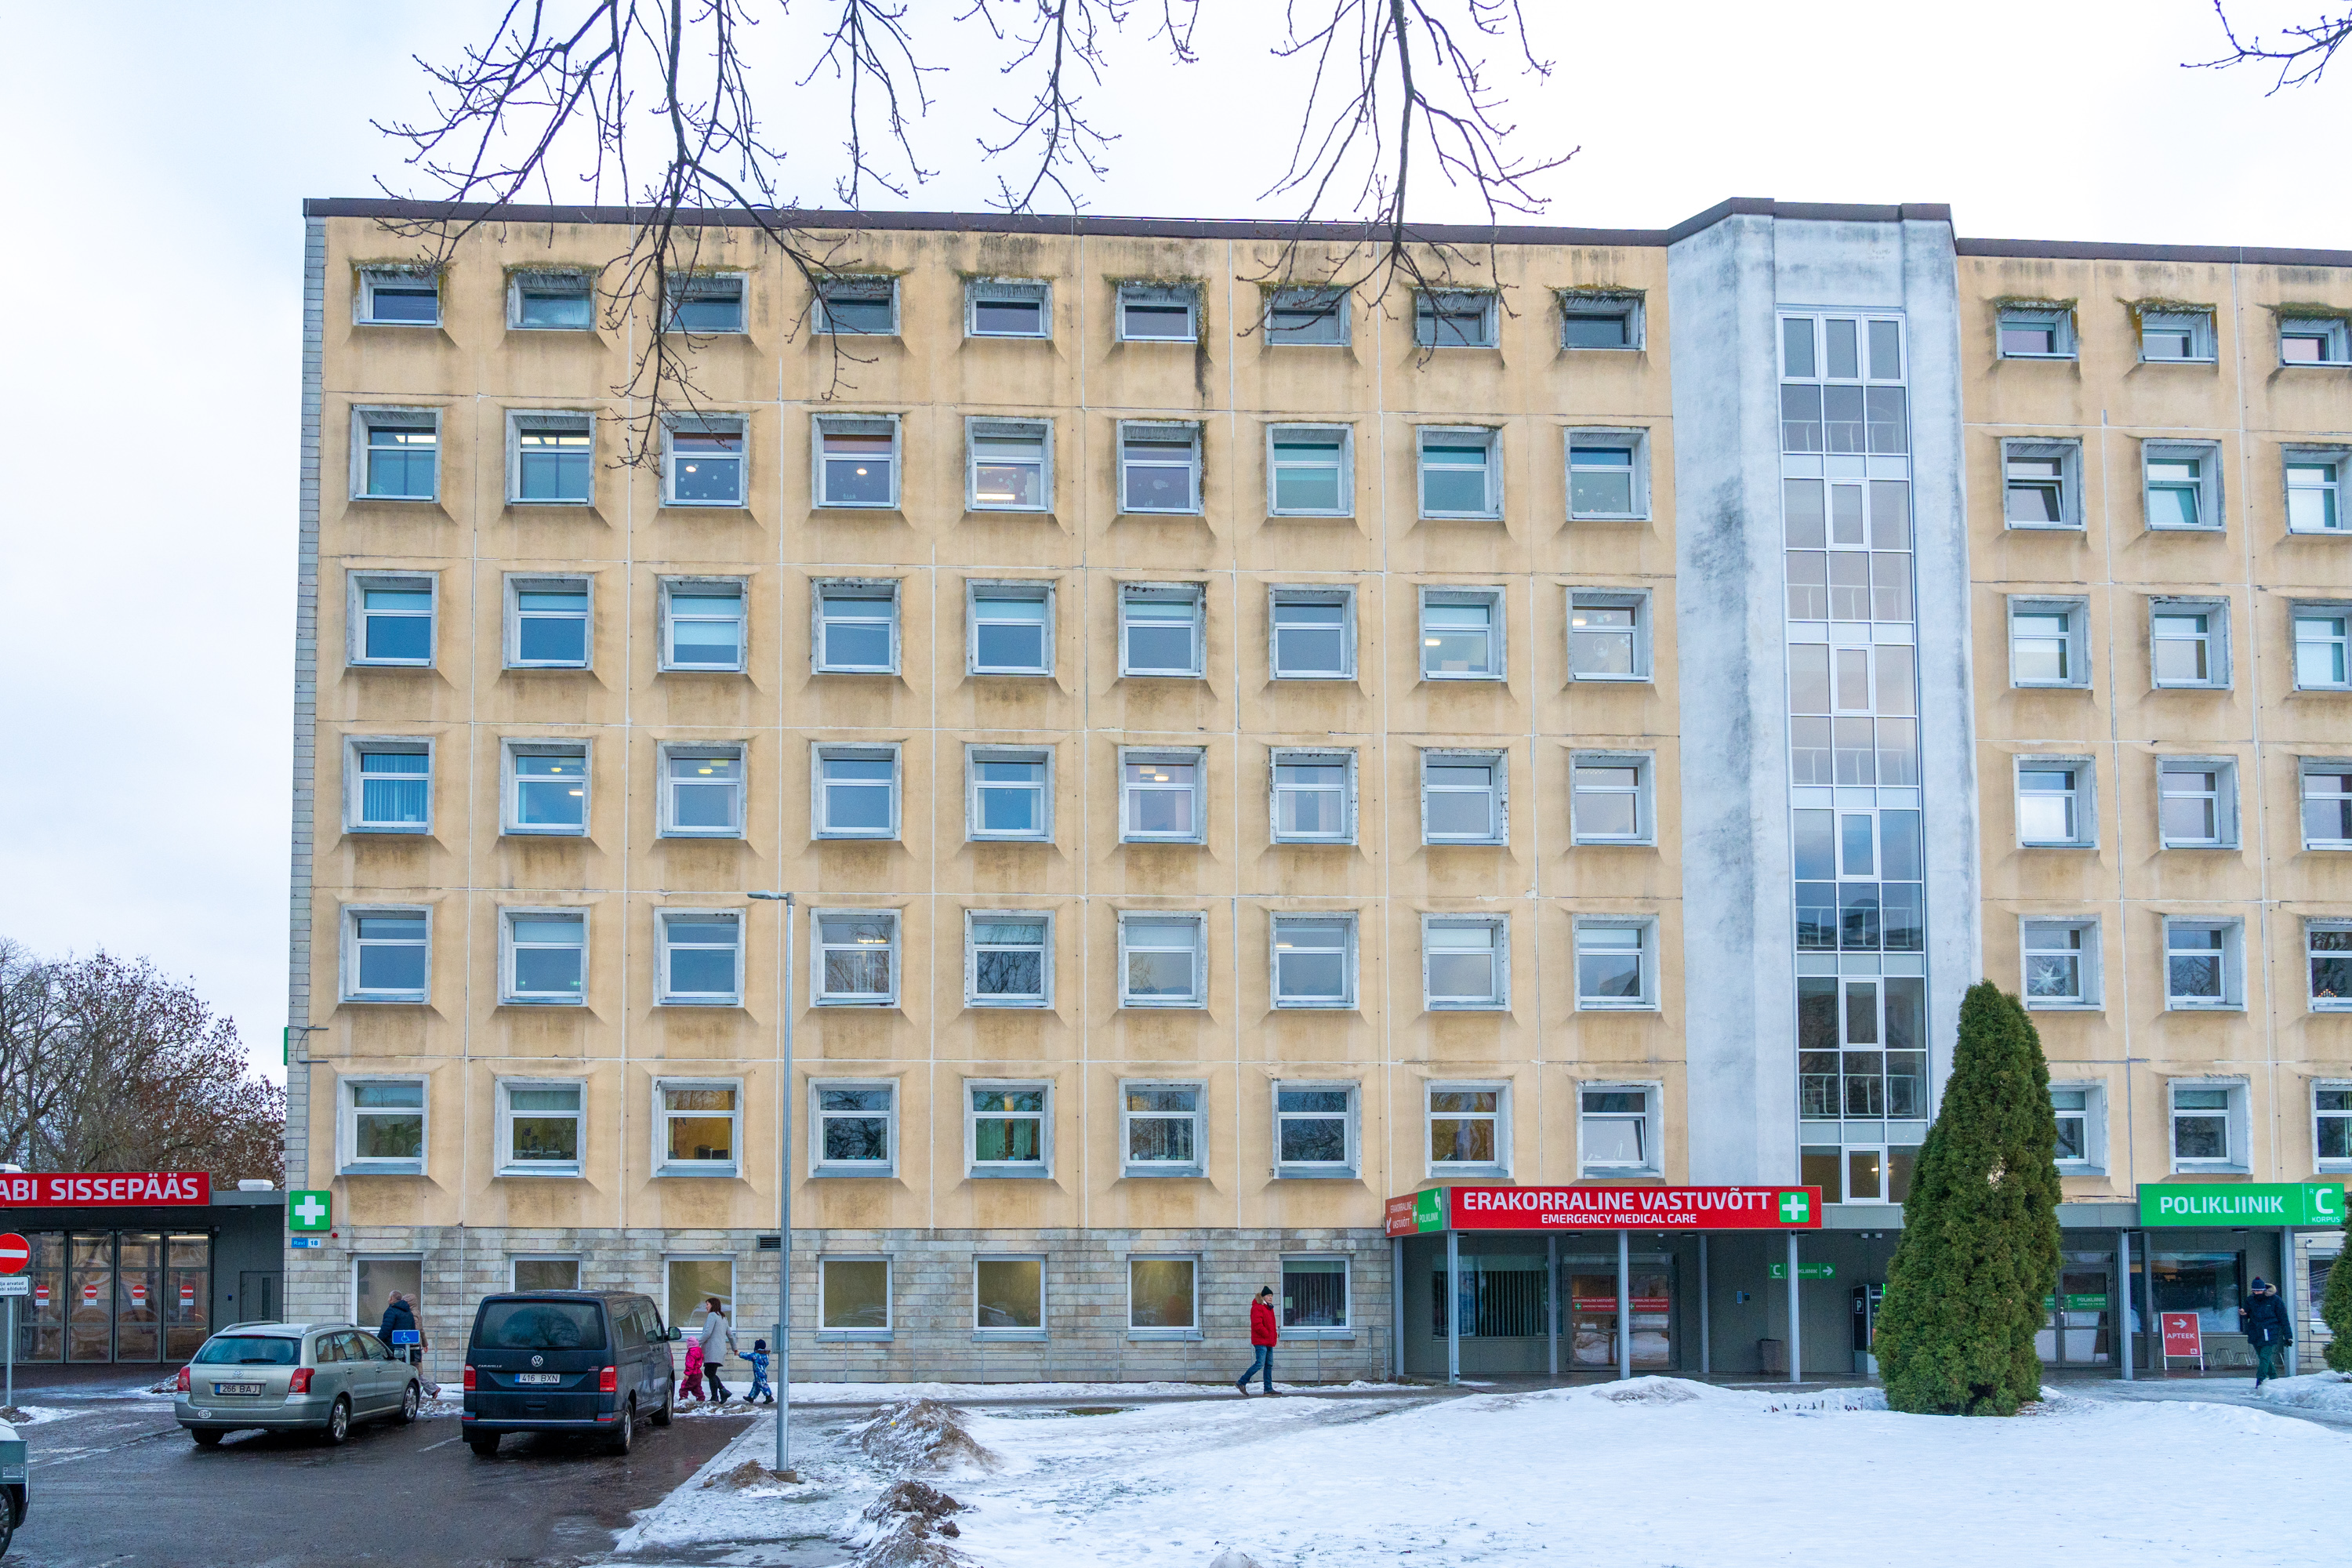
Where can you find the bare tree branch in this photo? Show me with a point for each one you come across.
(1064, 40)
(2302, 54)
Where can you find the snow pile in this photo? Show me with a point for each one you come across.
(2327, 1391)
(33, 1414)
(922, 1435)
(901, 1528)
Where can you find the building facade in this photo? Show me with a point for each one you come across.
(1241, 754)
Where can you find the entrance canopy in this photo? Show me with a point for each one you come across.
(1605, 1208)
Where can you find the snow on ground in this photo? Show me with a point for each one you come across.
(2329, 1393)
(890, 1392)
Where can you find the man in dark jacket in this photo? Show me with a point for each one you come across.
(1263, 1336)
(398, 1315)
(2269, 1330)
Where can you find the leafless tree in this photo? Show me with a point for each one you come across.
(651, 103)
(110, 1066)
(2299, 54)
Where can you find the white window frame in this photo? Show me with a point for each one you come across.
(2084, 796)
(978, 428)
(2233, 964)
(2206, 455)
(404, 416)
(1164, 430)
(711, 284)
(567, 421)
(1194, 757)
(666, 823)
(1045, 1293)
(855, 285)
(2059, 318)
(2224, 770)
(1197, 594)
(1346, 433)
(511, 823)
(1280, 757)
(1486, 436)
(819, 1166)
(2320, 1162)
(2095, 1126)
(2219, 673)
(521, 583)
(1500, 1087)
(1429, 304)
(822, 752)
(348, 1162)
(870, 590)
(1645, 817)
(2334, 459)
(1199, 920)
(663, 1166)
(971, 993)
(349, 964)
(356, 587)
(1352, 1130)
(1161, 295)
(506, 1163)
(1038, 290)
(2313, 1002)
(1653, 1161)
(1494, 598)
(1634, 599)
(1295, 297)
(1198, 1164)
(975, 754)
(821, 997)
(508, 997)
(2335, 350)
(823, 425)
(1345, 1329)
(1501, 794)
(2306, 767)
(735, 425)
(1001, 589)
(1191, 1258)
(2088, 967)
(354, 785)
(2068, 455)
(1500, 999)
(1598, 437)
(1343, 1003)
(2198, 321)
(1040, 1169)
(1600, 302)
(2238, 1125)
(1279, 594)
(371, 278)
(526, 279)
(2076, 612)
(2302, 610)
(664, 995)
(1646, 929)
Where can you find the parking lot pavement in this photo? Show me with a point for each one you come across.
(117, 1483)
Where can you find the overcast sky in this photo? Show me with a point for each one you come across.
(153, 158)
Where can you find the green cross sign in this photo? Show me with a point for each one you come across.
(1796, 1208)
(309, 1210)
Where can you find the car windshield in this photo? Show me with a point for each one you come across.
(540, 1326)
(250, 1349)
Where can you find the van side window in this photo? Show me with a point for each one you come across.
(632, 1328)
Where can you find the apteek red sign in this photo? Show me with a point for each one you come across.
(1607, 1208)
(106, 1189)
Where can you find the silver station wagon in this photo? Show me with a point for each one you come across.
(293, 1377)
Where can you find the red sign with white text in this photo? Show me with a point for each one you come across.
(107, 1189)
(1634, 1208)
(2181, 1334)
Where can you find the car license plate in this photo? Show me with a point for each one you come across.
(536, 1378)
(237, 1388)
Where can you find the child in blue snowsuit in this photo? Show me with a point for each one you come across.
(759, 1374)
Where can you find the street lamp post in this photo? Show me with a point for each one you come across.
(784, 1197)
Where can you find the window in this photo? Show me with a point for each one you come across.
(551, 459)
(1011, 627)
(1462, 799)
(2176, 335)
(856, 957)
(2197, 804)
(2310, 339)
(852, 1129)
(2040, 484)
(1313, 961)
(1162, 1131)
(1468, 1129)
(551, 1274)
(1162, 959)
(386, 955)
(1008, 958)
(383, 1126)
(1462, 634)
(1608, 636)
(1310, 470)
(2320, 647)
(1595, 320)
(704, 625)
(2201, 964)
(2047, 642)
(857, 630)
(546, 623)
(2062, 963)
(2329, 946)
(1008, 1128)
(539, 1128)
(707, 302)
(2315, 482)
(1614, 964)
(2077, 1108)
(396, 454)
(2331, 1112)
(1008, 1297)
(546, 956)
(1150, 313)
(547, 787)
(697, 1128)
(1306, 315)
(399, 297)
(1012, 793)
(1008, 308)
(2188, 642)
(2037, 332)
(701, 957)
(856, 461)
(1164, 1296)
(1461, 473)
(2054, 803)
(2183, 484)
(391, 787)
(705, 460)
(1466, 962)
(857, 306)
(1008, 465)
(1606, 474)
(1314, 797)
(1314, 634)
(552, 301)
(1314, 1129)
(2207, 1125)
(1616, 1134)
(852, 1298)
(1453, 318)
(701, 792)
(1609, 799)
(1160, 630)
(1314, 1295)
(391, 620)
(1160, 798)
(1158, 467)
(856, 791)
(2326, 804)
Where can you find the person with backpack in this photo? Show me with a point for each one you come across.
(1264, 1335)
(2269, 1329)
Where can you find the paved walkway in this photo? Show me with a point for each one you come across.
(2205, 1391)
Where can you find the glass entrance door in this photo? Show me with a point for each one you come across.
(41, 1315)
(187, 1295)
(2078, 1327)
(89, 1297)
(1592, 1311)
(139, 1296)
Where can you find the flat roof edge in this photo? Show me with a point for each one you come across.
(2098, 250)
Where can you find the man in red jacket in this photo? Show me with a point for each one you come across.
(1262, 1338)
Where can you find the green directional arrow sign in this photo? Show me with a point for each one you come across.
(309, 1210)
(1804, 1270)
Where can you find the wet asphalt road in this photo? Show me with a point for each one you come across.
(118, 1483)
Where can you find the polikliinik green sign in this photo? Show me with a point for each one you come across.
(2178, 1204)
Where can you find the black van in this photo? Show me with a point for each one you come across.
(567, 1361)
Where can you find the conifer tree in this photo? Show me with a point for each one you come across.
(2335, 1311)
(1980, 1247)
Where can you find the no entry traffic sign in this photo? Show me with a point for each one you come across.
(15, 1252)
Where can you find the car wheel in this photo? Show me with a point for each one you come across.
(668, 1405)
(410, 1400)
(205, 1436)
(339, 1419)
(624, 1428)
(485, 1446)
(7, 1523)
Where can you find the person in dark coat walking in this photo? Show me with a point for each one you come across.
(2269, 1329)
(1264, 1335)
(398, 1315)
